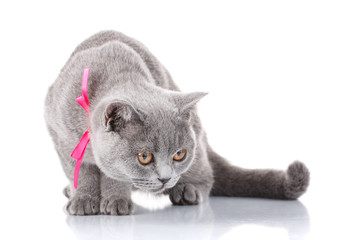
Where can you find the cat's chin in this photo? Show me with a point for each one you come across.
(161, 189)
(154, 191)
(158, 191)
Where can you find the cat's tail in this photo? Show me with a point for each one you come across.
(230, 180)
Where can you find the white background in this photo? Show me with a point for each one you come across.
(278, 73)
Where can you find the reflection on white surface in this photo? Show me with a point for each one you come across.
(219, 218)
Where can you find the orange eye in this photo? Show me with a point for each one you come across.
(145, 157)
(180, 155)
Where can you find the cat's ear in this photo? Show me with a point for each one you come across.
(186, 102)
(118, 114)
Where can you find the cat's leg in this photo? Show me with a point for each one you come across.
(85, 199)
(194, 185)
(116, 196)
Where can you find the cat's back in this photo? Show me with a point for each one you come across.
(157, 70)
(104, 37)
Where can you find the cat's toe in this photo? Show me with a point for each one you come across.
(297, 180)
(83, 205)
(184, 194)
(115, 205)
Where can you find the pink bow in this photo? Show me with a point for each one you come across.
(79, 150)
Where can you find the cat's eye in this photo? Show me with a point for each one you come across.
(180, 155)
(145, 157)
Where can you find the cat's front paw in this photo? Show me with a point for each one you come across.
(83, 205)
(116, 205)
(184, 194)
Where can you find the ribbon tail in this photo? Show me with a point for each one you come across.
(81, 100)
(78, 154)
(76, 174)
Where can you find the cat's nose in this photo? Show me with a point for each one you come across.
(164, 180)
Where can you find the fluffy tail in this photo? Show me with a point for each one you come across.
(230, 180)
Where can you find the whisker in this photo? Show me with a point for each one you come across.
(143, 183)
(143, 186)
(141, 180)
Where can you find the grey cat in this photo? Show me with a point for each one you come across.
(145, 134)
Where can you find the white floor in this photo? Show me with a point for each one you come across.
(26, 215)
(220, 217)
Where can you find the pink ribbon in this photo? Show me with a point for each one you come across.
(79, 150)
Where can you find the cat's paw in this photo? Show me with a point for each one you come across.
(83, 205)
(297, 180)
(116, 205)
(184, 194)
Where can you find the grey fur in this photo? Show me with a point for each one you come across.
(135, 106)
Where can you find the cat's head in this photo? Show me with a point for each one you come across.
(150, 143)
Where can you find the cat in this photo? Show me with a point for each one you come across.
(145, 134)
